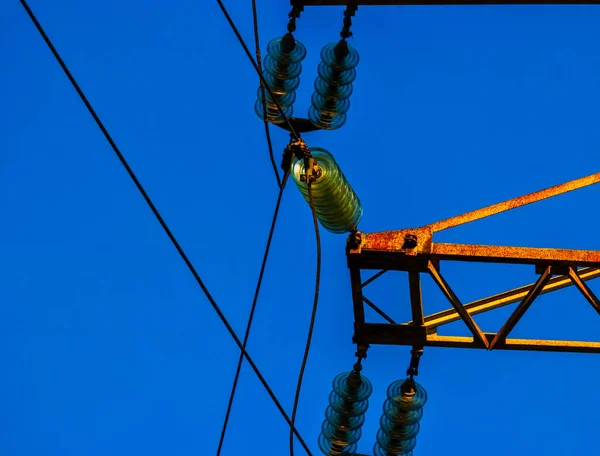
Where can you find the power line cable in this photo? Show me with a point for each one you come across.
(313, 314)
(270, 237)
(161, 221)
(251, 316)
(254, 64)
(262, 91)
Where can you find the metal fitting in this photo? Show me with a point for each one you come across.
(410, 241)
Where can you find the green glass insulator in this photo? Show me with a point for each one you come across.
(330, 57)
(344, 417)
(336, 205)
(331, 107)
(395, 446)
(273, 115)
(329, 92)
(348, 408)
(286, 50)
(343, 421)
(333, 86)
(340, 436)
(386, 447)
(282, 68)
(399, 424)
(406, 418)
(325, 121)
(404, 432)
(343, 388)
(333, 77)
(281, 86)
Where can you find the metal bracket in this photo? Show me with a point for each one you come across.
(300, 124)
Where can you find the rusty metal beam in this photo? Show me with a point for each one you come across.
(516, 202)
(384, 334)
(444, 317)
(387, 250)
(371, 279)
(416, 300)
(522, 308)
(571, 346)
(357, 298)
(514, 255)
(429, 3)
(381, 334)
(379, 311)
(464, 315)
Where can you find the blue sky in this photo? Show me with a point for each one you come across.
(109, 347)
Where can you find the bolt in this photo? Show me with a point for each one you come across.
(355, 240)
(410, 241)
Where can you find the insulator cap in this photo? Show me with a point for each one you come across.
(344, 417)
(278, 52)
(407, 395)
(346, 63)
(344, 390)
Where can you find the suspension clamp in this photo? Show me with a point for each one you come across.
(354, 379)
(413, 368)
(348, 14)
(299, 149)
(293, 15)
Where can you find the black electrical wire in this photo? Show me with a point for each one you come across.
(161, 221)
(254, 64)
(312, 316)
(269, 239)
(251, 316)
(262, 91)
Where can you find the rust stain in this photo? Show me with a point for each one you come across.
(515, 254)
(573, 346)
(394, 241)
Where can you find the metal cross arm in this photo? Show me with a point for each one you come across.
(413, 251)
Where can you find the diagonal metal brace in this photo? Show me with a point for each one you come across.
(433, 321)
(460, 309)
(522, 308)
(585, 290)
